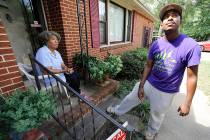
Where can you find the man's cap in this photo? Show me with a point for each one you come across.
(169, 7)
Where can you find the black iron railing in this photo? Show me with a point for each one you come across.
(72, 109)
(83, 34)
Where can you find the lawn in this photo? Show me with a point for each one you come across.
(204, 77)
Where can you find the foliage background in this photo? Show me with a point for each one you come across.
(133, 69)
(195, 19)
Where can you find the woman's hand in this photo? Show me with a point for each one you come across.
(70, 70)
(66, 69)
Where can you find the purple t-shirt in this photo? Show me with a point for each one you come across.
(170, 60)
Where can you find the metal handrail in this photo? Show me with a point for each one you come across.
(91, 105)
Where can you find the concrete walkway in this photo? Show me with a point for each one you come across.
(195, 126)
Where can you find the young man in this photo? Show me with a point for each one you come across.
(167, 59)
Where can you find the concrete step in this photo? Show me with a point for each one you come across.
(99, 94)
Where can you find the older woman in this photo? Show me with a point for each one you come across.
(51, 58)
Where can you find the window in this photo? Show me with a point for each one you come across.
(129, 17)
(116, 23)
(102, 19)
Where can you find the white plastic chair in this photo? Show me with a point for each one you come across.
(25, 69)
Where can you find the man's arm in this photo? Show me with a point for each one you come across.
(147, 70)
(192, 76)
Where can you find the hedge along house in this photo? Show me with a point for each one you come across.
(113, 26)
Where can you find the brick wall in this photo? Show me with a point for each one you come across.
(10, 77)
(139, 22)
(62, 17)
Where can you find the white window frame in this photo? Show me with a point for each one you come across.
(109, 44)
(131, 28)
(106, 24)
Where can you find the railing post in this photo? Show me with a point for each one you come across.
(81, 16)
(129, 135)
(35, 72)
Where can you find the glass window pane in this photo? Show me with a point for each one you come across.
(129, 26)
(102, 33)
(116, 23)
(102, 10)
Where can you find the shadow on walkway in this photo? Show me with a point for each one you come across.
(195, 126)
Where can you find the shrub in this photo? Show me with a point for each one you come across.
(78, 59)
(24, 110)
(143, 111)
(114, 65)
(97, 68)
(125, 88)
(133, 64)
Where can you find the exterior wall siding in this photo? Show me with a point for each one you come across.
(10, 77)
(139, 22)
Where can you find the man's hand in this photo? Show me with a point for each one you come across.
(183, 109)
(141, 93)
(192, 76)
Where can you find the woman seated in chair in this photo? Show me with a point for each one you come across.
(48, 56)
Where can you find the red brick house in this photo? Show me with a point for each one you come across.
(113, 26)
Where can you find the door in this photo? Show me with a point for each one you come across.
(35, 20)
(146, 37)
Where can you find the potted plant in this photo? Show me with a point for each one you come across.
(97, 69)
(114, 65)
(24, 110)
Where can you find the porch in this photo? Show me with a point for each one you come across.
(75, 117)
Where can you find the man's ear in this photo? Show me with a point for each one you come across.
(180, 17)
(161, 24)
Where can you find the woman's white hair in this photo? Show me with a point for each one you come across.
(46, 35)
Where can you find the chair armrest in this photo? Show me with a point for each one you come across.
(46, 76)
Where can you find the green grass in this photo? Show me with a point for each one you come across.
(204, 77)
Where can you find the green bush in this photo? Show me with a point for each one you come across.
(97, 68)
(143, 111)
(78, 59)
(24, 110)
(133, 64)
(114, 65)
(125, 88)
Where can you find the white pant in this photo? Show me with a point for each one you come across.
(159, 104)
